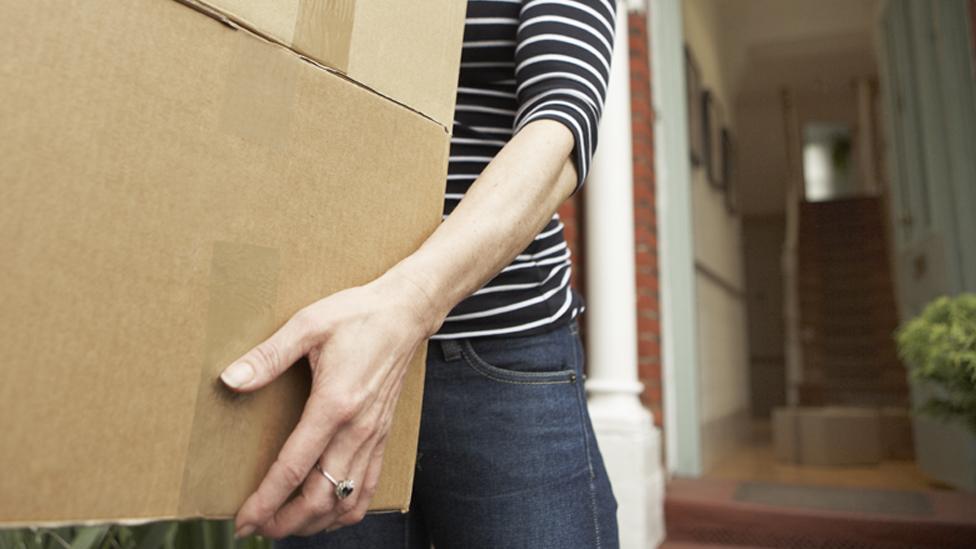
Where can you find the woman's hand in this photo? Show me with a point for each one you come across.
(358, 342)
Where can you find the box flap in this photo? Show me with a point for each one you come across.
(409, 52)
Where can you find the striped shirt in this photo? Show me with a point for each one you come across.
(526, 60)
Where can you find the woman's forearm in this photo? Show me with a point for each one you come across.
(504, 209)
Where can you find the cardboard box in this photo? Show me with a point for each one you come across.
(786, 443)
(175, 187)
(827, 436)
(896, 433)
(840, 436)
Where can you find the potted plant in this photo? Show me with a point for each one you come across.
(939, 348)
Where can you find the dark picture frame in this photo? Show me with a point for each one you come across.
(712, 130)
(728, 172)
(696, 136)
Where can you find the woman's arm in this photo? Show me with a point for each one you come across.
(506, 207)
(360, 341)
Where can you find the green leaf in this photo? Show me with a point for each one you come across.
(939, 347)
(152, 536)
(88, 537)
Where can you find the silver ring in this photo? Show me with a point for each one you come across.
(343, 488)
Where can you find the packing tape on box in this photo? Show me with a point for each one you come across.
(260, 92)
(240, 313)
(323, 29)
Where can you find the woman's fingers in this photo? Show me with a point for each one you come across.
(265, 362)
(370, 475)
(371, 478)
(367, 467)
(317, 498)
(302, 449)
(351, 450)
(342, 433)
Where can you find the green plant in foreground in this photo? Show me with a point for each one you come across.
(196, 534)
(939, 347)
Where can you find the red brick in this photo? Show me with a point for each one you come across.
(651, 323)
(972, 23)
(647, 259)
(648, 282)
(645, 233)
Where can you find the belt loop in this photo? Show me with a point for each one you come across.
(451, 348)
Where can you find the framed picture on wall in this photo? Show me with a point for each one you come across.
(728, 171)
(696, 135)
(712, 130)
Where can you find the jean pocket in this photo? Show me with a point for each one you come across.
(546, 361)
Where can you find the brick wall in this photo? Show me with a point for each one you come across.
(572, 215)
(645, 221)
(972, 20)
(645, 218)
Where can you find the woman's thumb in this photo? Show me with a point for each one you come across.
(264, 363)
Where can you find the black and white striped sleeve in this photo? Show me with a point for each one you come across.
(562, 68)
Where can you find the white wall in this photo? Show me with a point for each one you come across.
(722, 340)
(756, 28)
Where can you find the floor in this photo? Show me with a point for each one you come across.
(750, 500)
(724, 513)
(692, 545)
(755, 461)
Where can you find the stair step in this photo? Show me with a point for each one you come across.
(691, 545)
(777, 515)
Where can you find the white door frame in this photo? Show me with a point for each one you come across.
(679, 307)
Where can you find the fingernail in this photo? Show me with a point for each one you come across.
(244, 531)
(238, 375)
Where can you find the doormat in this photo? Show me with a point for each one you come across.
(852, 500)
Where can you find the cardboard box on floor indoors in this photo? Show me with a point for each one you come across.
(828, 435)
(179, 178)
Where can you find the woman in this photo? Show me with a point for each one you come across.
(507, 456)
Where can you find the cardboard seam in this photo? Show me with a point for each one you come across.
(237, 23)
(135, 521)
(35, 524)
(208, 11)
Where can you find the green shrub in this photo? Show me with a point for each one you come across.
(196, 534)
(939, 347)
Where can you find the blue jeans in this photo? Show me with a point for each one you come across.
(507, 456)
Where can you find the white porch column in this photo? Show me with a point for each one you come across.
(628, 440)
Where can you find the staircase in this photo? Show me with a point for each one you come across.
(847, 306)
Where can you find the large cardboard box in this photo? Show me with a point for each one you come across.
(827, 436)
(896, 433)
(786, 434)
(176, 182)
(840, 435)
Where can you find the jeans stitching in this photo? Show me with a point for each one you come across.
(485, 369)
(581, 405)
(596, 521)
(581, 396)
(586, 439)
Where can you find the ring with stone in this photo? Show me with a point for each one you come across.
(343, 488)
